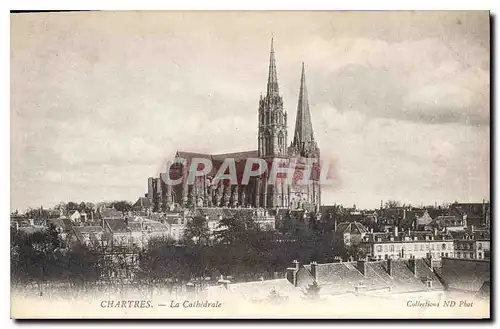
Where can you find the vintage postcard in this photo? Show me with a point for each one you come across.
(204, 164)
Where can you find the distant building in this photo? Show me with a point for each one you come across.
(272, 147)
(418, 244)
(350, 233)
(477, 214)
(472, 245)
(447, 223)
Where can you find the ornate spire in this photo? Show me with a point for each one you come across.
(272, 81)
(303, 140)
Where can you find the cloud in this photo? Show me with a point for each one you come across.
(399, 100)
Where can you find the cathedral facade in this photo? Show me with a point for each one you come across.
(301, 154)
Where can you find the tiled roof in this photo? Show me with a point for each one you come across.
(338, 278)
(89, 229)
(141, 203)
(464, 274)
(117, 225)
(64, 223)
(351, 227)
(109, 213)
(256, 290)
(237, 156)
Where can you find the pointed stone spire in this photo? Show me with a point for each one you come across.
(272, 81)
(303, 140)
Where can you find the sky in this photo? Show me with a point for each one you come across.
(400, 101)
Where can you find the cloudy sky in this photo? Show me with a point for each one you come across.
(399, 100)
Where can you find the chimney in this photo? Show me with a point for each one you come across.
(413, 265)
(291, 273)
(362, 266)
(389, 266)
(429, 260)
(314, 268)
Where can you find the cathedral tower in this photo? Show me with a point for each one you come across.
(272, 117)
(303, 143)
(272, 139)
(304, 148)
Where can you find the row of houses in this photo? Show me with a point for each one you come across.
(382, 279)
(110, 227)
(468, 243)
(454, 217)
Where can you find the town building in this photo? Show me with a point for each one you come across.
(350, 233)
(417, 244)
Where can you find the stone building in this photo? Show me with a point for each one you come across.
(271, 146)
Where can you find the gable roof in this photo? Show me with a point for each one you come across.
(340, 278)
(116, 225)
(142, 203)
(109, 213)
(352, 228)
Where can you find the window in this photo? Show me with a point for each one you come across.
(480, 255)
(479, 246)
(385, 248)
(421, 247)
(427, 247)
(432, 247)
(443, 246)
(471, 255)
(446, 254)
(386, 256)
(458, 254)
(392, 247)
(379, 248)
(442, 254)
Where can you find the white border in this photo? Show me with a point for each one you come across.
(194, 5)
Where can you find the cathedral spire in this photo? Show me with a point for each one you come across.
(303, 140)
(272, 81)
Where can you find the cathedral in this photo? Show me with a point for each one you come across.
(272, 147)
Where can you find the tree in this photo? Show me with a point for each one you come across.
(312, 292)
(197, 231)
(356, 252)
(237, 228)
(122, 206)
(392, 204)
